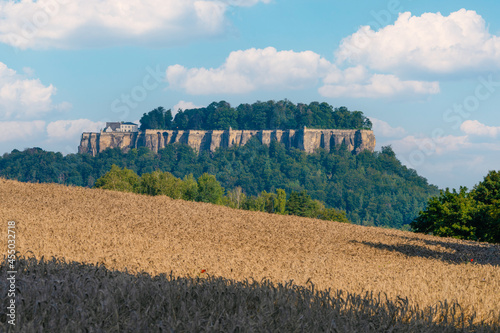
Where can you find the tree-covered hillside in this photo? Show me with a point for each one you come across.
(257, 116)
(373, 188)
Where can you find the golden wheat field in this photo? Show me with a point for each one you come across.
(161, 235)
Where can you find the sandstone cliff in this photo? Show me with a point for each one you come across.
(305, 139)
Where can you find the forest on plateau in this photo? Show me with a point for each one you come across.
(373, 188)
(268, 115)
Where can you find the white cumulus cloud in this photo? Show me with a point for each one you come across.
(431, 42)
(22, 97)
(94, 23)
(474, 127)
(21, 130)
(383, 129)
(375, 86)
(71, 129)
(248, 70)
(431, 146)
(253, 69)
(183, 105)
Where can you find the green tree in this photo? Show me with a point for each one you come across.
(332, 214)
(451, 214)
(156, 119)
(118, 179)
(189, 188)
(280, 205)
(487, 195)
(473, 215)
(160, 183)
(209, 189)
(301, 204)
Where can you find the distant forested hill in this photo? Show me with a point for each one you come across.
(373, 188)
(257, 116)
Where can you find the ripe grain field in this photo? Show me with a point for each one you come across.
(161, 235)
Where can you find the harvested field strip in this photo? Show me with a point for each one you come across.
(160, 235)
(70, 297)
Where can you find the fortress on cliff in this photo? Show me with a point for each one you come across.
(305, 139)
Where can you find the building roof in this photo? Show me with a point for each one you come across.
(129, 123)
(113, 125)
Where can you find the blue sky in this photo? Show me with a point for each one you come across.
(426, 72)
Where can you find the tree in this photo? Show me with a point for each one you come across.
(473, 215)
(209, 189)
(280, 205)
(450, 214)
(156, 119)
(487, 194)
(118, 179)
(332, 214)
(301, 204)
(236, 197)
(189, 188)
(160, 183)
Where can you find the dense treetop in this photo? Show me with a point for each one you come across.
(257, 116)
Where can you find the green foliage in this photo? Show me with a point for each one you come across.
(118, 179)
(473, 215)
(160, 183)
(332, 214)
(257, 116)
(371, 188)
(448, 215)
(156, 119)
(209, 189)
(301, 204)
(280, 202)
(189, 188)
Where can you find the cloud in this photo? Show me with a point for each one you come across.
(21, 130)
(256, 69)
(383, 129)
(21, 97)
(431, 42)
(245, 3)
(376, 86)
(71, 129)
(474, 127)
(99, 23)
(430, 146)
(441, 158)
(252, 69)
(182, 105)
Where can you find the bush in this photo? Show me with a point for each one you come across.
(118, 179)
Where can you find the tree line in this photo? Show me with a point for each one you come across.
(373, 188)
(257, 116)
(464, 214)
(207, 189)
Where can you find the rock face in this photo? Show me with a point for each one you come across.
(305, 139)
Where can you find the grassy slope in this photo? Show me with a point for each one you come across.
(158, 234)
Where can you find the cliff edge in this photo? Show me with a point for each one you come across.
(305, 139)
